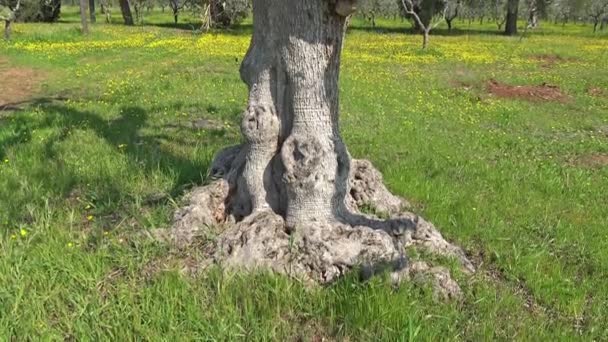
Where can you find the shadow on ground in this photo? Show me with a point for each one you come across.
(145, 150)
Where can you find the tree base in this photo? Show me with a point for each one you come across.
(319, 252)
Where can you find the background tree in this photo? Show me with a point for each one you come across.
(8, 13)
(33, 10)
(371, 9)
(92, 11)
(597, 12)
(125, 9)
(497, 12)
(106, 9)
(451, 12)
(83, 16)
(511, 18)
(425, 14)
(176, 6)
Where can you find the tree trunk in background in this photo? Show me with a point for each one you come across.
(218, 14)
(126, 12)
(511, 22)
(83, 16)
(425, 39)
(7, 29)
(92, 11)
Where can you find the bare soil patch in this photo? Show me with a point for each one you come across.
(597, 91)
(596, 160)
(542, 92)
(17, 84)
(549, 60)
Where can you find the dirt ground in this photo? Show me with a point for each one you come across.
(548, 61)
(592, 160)
(17, 84)
(542, 92)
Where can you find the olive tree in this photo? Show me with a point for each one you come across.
(8, 13)
(371, 9)
(425, 14)
(289, 198)
(597, 11)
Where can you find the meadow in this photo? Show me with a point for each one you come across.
(101, 136)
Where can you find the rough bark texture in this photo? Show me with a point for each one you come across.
(290, 199)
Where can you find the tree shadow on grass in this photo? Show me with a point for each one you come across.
(125, 133)
(144, 149)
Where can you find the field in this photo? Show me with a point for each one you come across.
(101, 136)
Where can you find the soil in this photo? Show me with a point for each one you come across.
(596, 91)
(542, 92)
(18, 84)
(548, 60)
(597, 160)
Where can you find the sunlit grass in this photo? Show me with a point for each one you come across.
(108, 144)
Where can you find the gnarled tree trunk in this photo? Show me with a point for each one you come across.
(289, 195)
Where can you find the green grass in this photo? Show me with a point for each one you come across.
(104, 149)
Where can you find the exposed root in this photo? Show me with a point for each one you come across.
(320, 252)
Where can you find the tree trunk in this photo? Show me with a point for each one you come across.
(511, 22)
(175, 18)
(595, 26)
(126, 12)
(83, 16)
(288, 195)
(7, 29)
(92, 11)
(291, 70)
(449, 22)
(425, 39)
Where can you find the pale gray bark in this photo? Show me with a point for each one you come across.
(291, 124)
(287, 198)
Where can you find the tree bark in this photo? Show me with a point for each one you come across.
(294, 162)
(425, 39)
(126, 12)
(83, 16)
(288, 197)
(511, 22)
(92, 11)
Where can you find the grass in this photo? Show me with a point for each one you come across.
(104, 149)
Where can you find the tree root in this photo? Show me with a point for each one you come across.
(320, 252)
